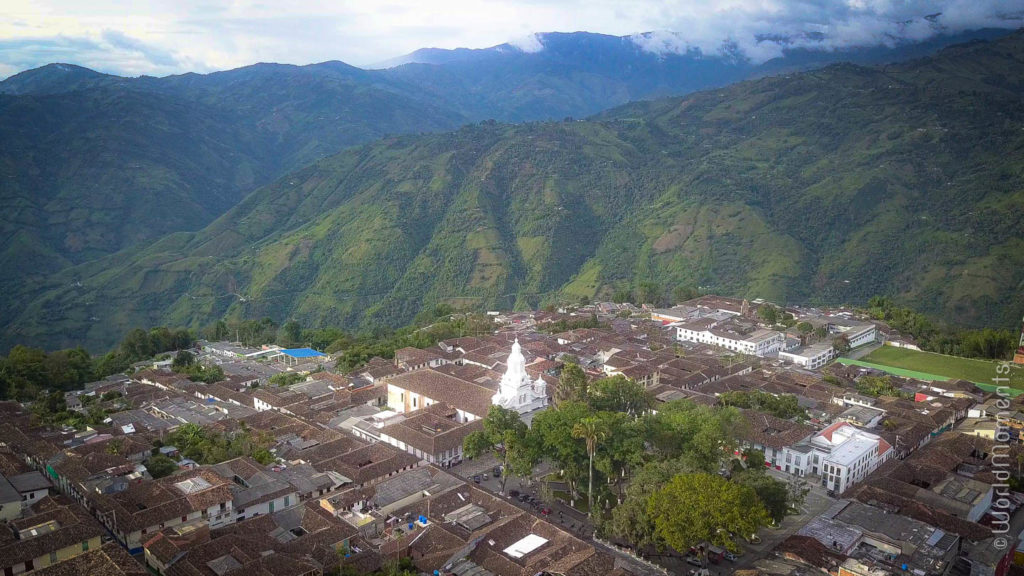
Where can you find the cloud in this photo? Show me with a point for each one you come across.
(763, 30)
(112, 52)
(175, 36)
(530, 43)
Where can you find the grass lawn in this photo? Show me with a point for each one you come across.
(929, 363)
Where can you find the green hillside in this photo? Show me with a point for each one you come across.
(826, 186)
(112, 163)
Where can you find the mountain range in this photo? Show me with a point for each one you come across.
(823, 186)
(94, 163)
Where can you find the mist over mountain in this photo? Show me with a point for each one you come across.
(829, 185)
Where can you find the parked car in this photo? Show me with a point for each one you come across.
(497, 471)
(730, 556)
(513, 493)
(545, 511)
(476, 478)
(693, 561)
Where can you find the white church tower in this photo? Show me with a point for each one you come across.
(517, 392)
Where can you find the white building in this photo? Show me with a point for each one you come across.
(857, 333)
(841, 454)
(517, 391)
(758, 342)
(810, 357)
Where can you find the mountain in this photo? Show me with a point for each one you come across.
(825, 186)
(53, 79)
(96, 163)
(553, 75)
(108, 163)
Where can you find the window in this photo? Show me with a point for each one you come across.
(85, 546)
(53, 557)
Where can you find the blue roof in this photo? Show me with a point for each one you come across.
(302, 352)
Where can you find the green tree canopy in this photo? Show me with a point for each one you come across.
(572, 384)
(693, 508)
(160, 466)
(619, 394)
(773, 494)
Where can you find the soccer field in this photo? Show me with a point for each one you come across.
(978, 371)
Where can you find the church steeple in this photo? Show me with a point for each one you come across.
(516, 390)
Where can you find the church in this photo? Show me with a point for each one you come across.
(517, 391)
(470, 390)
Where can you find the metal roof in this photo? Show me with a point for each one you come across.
(301, 352)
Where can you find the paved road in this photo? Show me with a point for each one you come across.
(569, 518)
(816, 502)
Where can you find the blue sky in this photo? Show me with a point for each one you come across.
(169, 37)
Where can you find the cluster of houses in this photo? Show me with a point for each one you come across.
(365, 464)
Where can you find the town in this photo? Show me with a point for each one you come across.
(716, 436)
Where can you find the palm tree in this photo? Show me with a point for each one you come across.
(592, 430)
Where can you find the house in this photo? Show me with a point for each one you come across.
(733, 335)
(255, 491)
(414, 358)
(107, 560)
(843, 455)
(433, 434)
(31, 486)
(55, 530)
(812, 357)
(141, 509)
(773, 436)
(10, 501)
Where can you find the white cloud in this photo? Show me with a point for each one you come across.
(530, 43)
(174, 36)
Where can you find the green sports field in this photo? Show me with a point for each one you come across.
(928, 365)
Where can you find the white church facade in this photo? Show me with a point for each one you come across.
(418, 389)
(517, 391)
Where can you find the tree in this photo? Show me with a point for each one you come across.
(768, 313)
(703, 436)
(623, 449)
(552, 430)
(591, 430)
(183, 359)
(841, 343)
(773, 494)
(505, 433)
(619, 394)
(754, 459)
(649, 293)
(805, 327)
(785, 406)
(160, 466)
(631, 520)
(684, 293)
(291, 333)
(693, 508)
(572, 384)
(878, 386)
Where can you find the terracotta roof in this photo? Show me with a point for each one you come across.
(108, 560)
(433, 429)
(771, 431)
(468, 396)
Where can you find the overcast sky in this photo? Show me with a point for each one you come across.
(174, 36)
